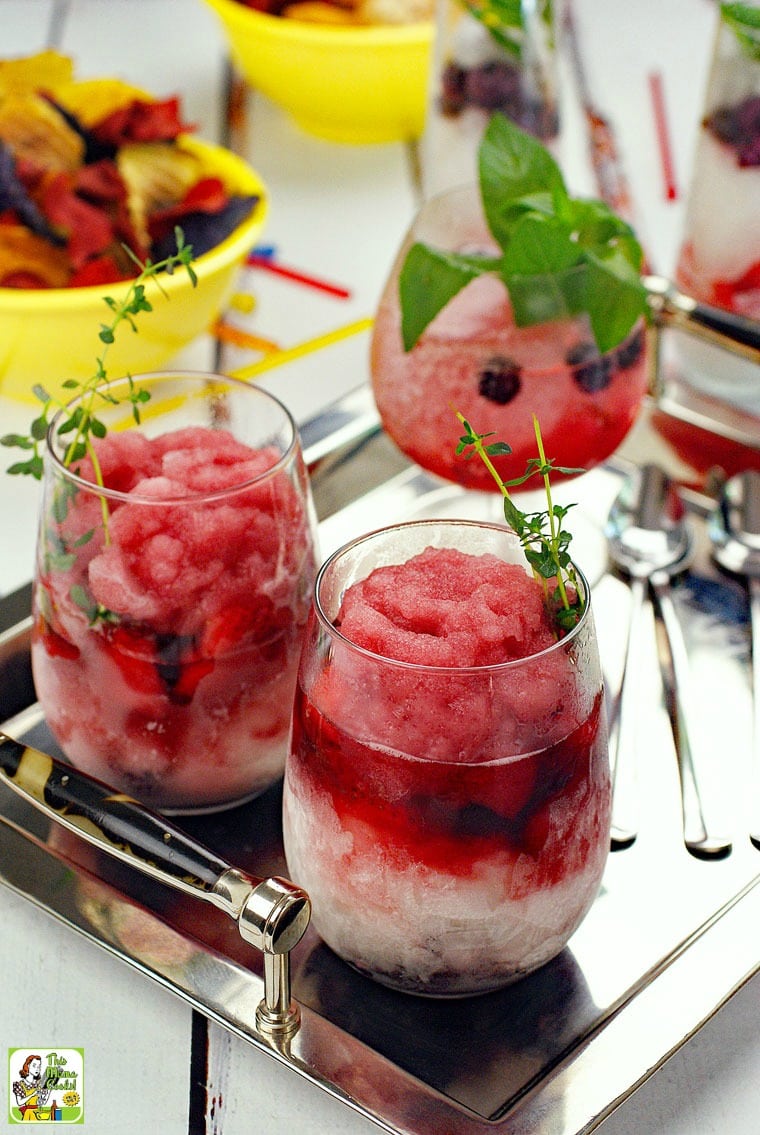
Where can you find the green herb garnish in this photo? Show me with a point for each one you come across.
(744, 21)
(559, 255)
(77, 429)
(504, 20)
(544, 541)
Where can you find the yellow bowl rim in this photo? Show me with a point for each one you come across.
(375, 35)
(38, 301)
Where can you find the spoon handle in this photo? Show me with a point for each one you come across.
(623, 732)
(696, 835)
(754, 607)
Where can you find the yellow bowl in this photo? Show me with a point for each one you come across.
(346, 84)
(49, 335)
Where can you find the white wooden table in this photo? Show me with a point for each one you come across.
(337, 212)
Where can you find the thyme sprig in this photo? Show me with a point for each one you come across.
(79, 426)
(545, 542)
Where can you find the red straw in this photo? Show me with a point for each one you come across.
(663, 137)
(266, 262)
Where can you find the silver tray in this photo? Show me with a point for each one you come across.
(668, 941)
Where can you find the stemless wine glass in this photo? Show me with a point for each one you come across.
(173, 580)
(447, 789)
(474, 359)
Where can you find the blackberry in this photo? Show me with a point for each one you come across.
(493, 86)
(499, 380)
(592, 372)
(724, 124)
(453, 92)
(739, 127)
(748, 117)
(749, 153)
(630, 351)
(170, 649)
(539, 118)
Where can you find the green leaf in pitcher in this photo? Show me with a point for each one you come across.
(504, 20)
(560, 255)
(744, 21)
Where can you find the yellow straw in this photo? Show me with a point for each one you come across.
(288, 354)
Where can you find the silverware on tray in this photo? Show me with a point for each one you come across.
(650, 540)
(734, 530)
(271, 914)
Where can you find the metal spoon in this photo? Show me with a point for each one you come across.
(650, 540)
(641, 536)
(734, 529)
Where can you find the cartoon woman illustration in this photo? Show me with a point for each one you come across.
(31, 1091)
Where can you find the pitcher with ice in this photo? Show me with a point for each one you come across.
(719, 259)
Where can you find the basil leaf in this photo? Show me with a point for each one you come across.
(744, 21)
(595, 225)
(561, 255)
(429, 279)
(539, 299)
(539, 246)
(502, 19)
(513, 165)
(542, 273)
(745, 14)
(615, 298)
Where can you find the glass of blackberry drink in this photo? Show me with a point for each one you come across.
(175, 562)
(447, 788)
(499, 351)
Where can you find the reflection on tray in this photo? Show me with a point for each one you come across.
(483, 1052)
